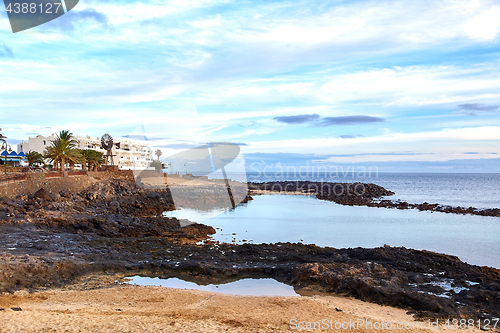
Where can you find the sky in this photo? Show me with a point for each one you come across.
(396, 85)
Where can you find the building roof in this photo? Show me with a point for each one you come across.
(13, 154)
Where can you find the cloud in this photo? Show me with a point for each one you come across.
(179, 146)
(351, 136)
(67, 21)
(142, 137)
(298, 119)
(349, 120)
(317, 120)
(485, 25)
(89, 13)
(389, 85)
(191, 145)
(472, 109)
(284, 157)
(443, 144)
(5, 51)
(13, 142)
(240, 40)
(135, 137)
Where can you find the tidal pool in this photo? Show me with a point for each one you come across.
(295, 218)
(250, 287)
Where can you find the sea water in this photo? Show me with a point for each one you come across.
(479, 190)
(290, 218)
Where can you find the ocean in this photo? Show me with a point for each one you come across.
(479, 190)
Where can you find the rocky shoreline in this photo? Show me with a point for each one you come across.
(52, 239)
(360, 194)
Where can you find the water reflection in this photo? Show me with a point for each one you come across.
(250, 287)
(194, 215)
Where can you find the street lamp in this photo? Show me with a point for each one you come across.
(4, 146)
(186, 165)
(2, 138)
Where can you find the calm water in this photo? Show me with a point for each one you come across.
(253, 287)
(286, 218)
(476, 190)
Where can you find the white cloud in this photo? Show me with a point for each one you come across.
(411, 86)
(485, 25)
(207, 23)
(414, 85)
(140, 11)
(294, 32)
(377, 25)
(436, 145)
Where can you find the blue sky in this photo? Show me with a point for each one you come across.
(405, 86)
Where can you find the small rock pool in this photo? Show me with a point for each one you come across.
(247, 286)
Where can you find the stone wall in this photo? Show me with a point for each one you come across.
(109, 168)
(148, 173)
(12, 169)
(121, 174)
(12, 177)
(14, 185)
(36, 181)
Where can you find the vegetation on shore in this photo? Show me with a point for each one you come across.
(63, 150)
(34, 157)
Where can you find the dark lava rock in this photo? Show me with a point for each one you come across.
(360, 194)
(40, 194)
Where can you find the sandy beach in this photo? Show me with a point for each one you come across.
(125, 308)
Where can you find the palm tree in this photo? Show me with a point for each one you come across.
(74, 157)
(158, 153)
(157, 165)
(34, 157)
(57, 153)
(84, 153)
(91, 158)
(98, 160)
(63, 150)
(66, 135)
(72, 143)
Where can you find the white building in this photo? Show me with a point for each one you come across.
(128, 155)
